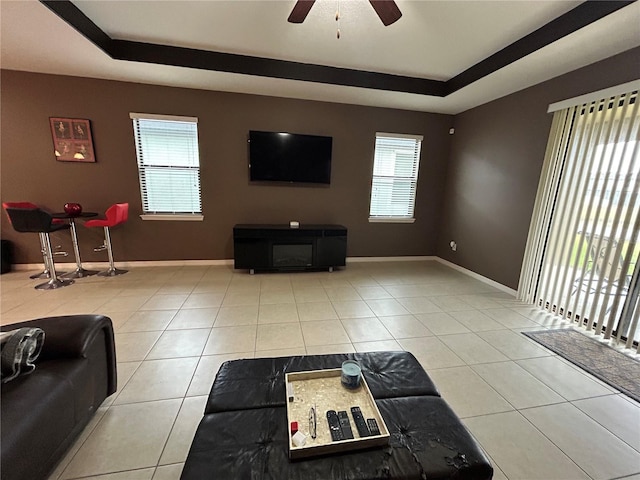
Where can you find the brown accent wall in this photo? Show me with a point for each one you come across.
(495, 164)
(31, 173)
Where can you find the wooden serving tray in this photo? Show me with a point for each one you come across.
(324, 390)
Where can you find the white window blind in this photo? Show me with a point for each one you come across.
(168, 163)
(581, 259)
(395, 176)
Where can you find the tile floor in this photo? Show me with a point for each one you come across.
(537, 416)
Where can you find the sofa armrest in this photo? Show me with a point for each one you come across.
(73, 336)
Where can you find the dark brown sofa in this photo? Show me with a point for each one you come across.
(42, 413)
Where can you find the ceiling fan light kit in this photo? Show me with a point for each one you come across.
(387, 11)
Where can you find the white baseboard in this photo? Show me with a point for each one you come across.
(141, 263)
(389, 259)
(477, 276)
(192, 263)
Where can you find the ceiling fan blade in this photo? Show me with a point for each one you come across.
(300, 11)
(387, 10)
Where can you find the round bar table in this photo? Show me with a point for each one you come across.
(79, 272)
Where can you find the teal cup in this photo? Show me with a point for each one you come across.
(351, 374)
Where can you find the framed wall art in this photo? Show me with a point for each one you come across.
(72, 141)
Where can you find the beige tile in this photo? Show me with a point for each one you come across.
(578, 442)
(141, 474)
(316, 311)
(310, 294)
(281, 352)
(135, 345)
(184, 428)
(165, 302)
(352, 309)
(325, 332)
(441, 323)
(231, 340)
(180, 343)
(158, 380)
(455, 384)
(168, 472)
(451, 303)
(472, 349)
(405, 326)
(176, 288)
(366, 329)
(342, 293)
(207, 369)
(419, 305)
(214, 287)
(514, 345)
(476, 321)
(193, 318)
(509, 318)
(378, 346)
(237, 315)
(203, 300)
(616, 414)
(570, 382)
(276, 283)
(147, 321)
(372, 292)
(516, 385)
(79, 306)
(278, 313)
(271, 297)
(279, 336)
(237, 298)
(403, 291)
(479, 301)
(124, 304)
(330, 349)
(128, 437)
(431, 352)
(387, 307)
(520, 450)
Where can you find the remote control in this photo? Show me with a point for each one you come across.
(334, 426)
(347, 433)
(361, 425)
(373, 426)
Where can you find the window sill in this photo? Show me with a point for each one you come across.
(179, 217)
(391, 220)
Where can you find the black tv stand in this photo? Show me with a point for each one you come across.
(282, 248)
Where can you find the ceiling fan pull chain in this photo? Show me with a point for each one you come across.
(338, 20)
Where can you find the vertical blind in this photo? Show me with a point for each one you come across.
(581, 259)
(395, 175)
(168, 163)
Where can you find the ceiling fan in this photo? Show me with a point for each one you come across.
(387, 10)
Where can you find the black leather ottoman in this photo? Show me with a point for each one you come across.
(243, 434)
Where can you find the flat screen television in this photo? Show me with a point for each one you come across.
(289, 157)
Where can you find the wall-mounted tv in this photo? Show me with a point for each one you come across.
(289, 157)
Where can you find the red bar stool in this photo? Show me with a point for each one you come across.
(38, 221)
(116, 214)
(45, 273)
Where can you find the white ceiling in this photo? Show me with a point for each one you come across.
(433, 39)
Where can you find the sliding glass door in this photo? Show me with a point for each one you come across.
(584, 243)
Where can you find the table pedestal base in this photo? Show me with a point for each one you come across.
(112, 272)
(80, 273)
(53, 284)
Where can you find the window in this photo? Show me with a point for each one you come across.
(168, 166)
(395, 177)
